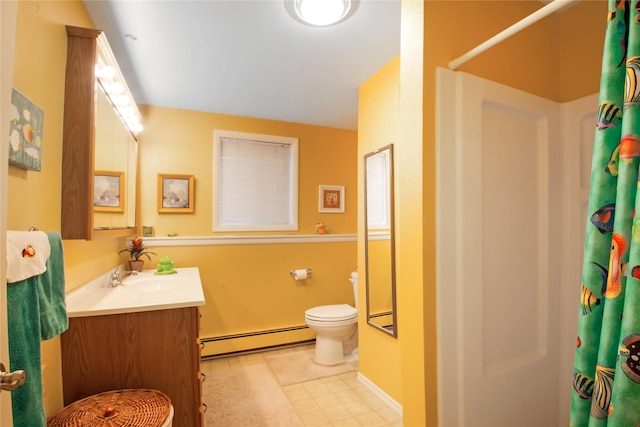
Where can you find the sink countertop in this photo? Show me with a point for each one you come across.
(144, 291)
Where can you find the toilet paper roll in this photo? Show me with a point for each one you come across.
(299, 274)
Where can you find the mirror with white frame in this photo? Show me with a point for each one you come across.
(379, 240)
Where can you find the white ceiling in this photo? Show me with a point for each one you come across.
(248, 57)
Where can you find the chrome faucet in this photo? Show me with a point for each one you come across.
(115, 279)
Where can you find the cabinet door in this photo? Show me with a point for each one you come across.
(155, 350)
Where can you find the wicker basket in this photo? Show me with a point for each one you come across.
(131, 408)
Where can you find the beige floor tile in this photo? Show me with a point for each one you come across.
(352, 381)
(337, 413)
(314, 419)
(364, 392)
(336, 385)
(305, 405)
(313, 382)
(348, 375)
(337, 401)
(236, 362)
(389, 415)
(347, 422)
(371, 419)
(298, 393)
(375, 402)
(326, 401)
(357, 407)
(316, 388)
(346, 396)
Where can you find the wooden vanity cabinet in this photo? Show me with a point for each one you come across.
(155, 350)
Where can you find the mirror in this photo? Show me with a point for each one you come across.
(115, 168)
(379, 240)
(100, 130)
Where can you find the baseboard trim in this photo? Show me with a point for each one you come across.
(258, 350)
(380, 393)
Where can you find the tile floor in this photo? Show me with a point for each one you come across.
(339, 400)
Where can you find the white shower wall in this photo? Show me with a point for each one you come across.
(512, 181)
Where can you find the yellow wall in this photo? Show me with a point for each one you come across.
(378, 126)
(34, 197)
(181, 142)
(248, 287)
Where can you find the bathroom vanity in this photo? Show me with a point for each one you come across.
(141, 334)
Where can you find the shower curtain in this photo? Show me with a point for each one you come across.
(606, 381)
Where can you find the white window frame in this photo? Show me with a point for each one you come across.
(218, 136)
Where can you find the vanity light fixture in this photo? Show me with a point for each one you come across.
(320, 13)
(118, 93)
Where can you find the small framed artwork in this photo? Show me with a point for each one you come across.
(108, 191)
(331, 199)
(175, 193)
(26, 126)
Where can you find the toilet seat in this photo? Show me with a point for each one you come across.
(331, 313)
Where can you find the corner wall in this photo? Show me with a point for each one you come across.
(378, 126)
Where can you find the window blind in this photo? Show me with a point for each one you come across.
(255, 183)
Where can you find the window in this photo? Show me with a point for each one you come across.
(255, 182)
(378, 191)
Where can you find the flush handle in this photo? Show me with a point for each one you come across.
(11, 380)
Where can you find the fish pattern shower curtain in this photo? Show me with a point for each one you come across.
(606, 381)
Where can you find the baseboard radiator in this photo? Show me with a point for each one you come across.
(255, 341)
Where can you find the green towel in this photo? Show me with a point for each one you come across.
(53, 310)
(36, 311)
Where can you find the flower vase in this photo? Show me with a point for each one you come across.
(136, 265)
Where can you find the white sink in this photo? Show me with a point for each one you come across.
(144, 291)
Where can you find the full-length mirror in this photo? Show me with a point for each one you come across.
(379, 240)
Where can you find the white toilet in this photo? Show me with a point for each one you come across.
(336, 327)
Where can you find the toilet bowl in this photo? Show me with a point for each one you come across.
(336, 327)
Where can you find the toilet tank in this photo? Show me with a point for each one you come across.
(354, 282)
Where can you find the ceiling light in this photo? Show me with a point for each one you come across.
(320, 13)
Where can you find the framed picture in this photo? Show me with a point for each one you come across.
(108, 191)
(175, 193)
(331, 199)
(26, 126)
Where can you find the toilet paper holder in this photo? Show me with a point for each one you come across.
(293, 272)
